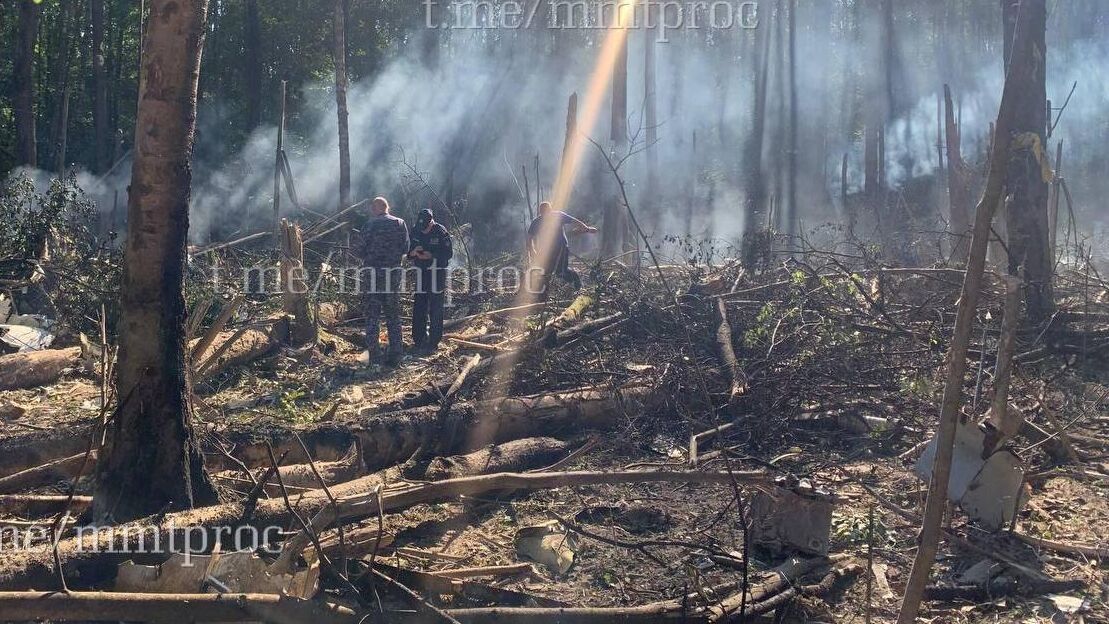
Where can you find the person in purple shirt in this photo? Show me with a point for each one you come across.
(549, 247)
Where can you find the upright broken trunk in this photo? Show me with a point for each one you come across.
(958, 185)
(567, 144)
(151, 460)
(340, 54)
(23, 82)
(1029, 172)
(294, 286)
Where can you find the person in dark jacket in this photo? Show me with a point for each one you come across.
(430, 250)
(382, 246)
(549, 246)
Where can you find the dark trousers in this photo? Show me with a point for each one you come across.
(560, 266)
(427, 307)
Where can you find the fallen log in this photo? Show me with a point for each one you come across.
(511, 456)
(38, 505)
(360, 505)
(243, 346)
(514, 569)
(45, 474)
(35, 448)
(1000, 588)
(736, 376)
(114, 607)
(347, 468)
(201, 345)
(36, 368)
(579, 615)
(392, 437)
(595, 327)
(434, 585)
(780, 578)
(93, 555)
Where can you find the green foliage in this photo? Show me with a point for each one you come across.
(854, 528)
(50, 234)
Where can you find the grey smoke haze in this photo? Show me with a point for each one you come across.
(487, 96)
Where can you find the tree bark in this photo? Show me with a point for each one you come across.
(650, 109)
(614, 225)
(36, 368)
(340, 56)
(1024, 60)
(68, 19)
(958, 185)
(789, 207)
(23, 80)
(1028, 173)
(151, 460)
(755, 182)
(101, 139)
(253, 58)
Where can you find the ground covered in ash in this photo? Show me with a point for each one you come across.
(843, 370)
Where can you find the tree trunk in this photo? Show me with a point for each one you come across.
(650, 110)
(253, 57)
(958, 185)
(340, 54)
(789, 207)
(24, 82)
(755, 193)
(1029, 173)
(151, 460)
(101, 140)
(1024, 57)
(294, 286)
(614, 225)
(67, 24)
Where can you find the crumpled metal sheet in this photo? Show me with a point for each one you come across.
(987, 490)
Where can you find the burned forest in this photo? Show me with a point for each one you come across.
(554, 311)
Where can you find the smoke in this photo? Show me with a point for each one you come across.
(469, 111)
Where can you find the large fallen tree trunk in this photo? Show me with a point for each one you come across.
(38, 505)
(45, 474)
(93, 555)
(36, 368)
(390, 438)
(114, 607)
(35, 448)
(386, 438)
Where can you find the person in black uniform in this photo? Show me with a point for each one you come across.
(430, 250)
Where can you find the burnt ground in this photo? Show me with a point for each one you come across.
(845, 368)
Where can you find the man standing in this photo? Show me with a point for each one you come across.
(549, 247)
(430, 250)
(382, 246)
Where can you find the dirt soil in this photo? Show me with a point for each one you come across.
(822, 348)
